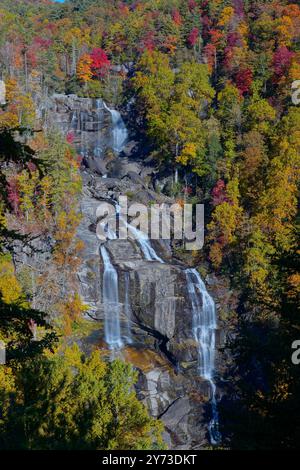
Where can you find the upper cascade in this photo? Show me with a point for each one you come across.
(91, 125)
(119, 130)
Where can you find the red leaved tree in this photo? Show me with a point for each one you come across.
(219, 193)
(243, 80)
(210, 54)
(70, 137)
(176, 17)
(192, 5)
(100, 62)
(281, 62)
(13, 194)
(193, 37)
(148, 42)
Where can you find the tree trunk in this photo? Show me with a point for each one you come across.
(74, 59)
(26, 70)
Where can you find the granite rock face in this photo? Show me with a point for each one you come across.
(161, 322)
(160, 309)
(157, 292)
(88, 123)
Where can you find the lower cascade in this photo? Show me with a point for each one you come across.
(204, 328)
(110, 293)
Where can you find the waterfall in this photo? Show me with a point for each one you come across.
(118, 318)
(145, 244)
(142, 239)
(204, 328)
(120, 133)
(74, 121)
(176, 176)
(110, 290)
(110, 295)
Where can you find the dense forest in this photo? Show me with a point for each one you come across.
(210, 86)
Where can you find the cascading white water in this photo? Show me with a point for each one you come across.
(142, 239)
(74, 121)
(204, 330)
(120, 133)
(204, 322)
(145, 244)
(110, 294)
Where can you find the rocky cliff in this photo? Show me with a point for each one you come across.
(154, 306)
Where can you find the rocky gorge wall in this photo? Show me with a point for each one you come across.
(154, 302)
